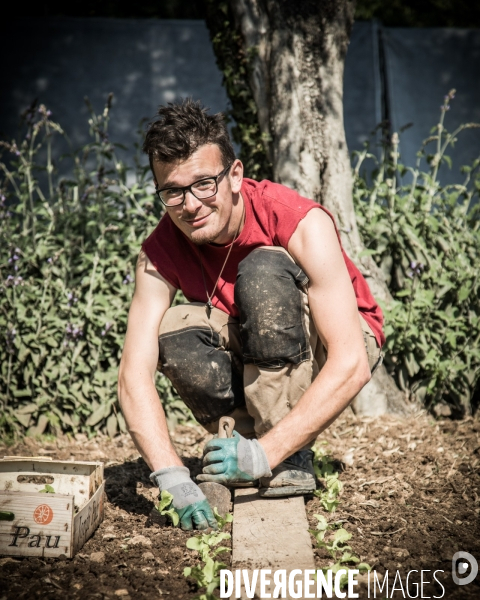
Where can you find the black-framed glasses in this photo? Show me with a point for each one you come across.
(201, 189)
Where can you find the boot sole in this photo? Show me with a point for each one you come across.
(278, 492)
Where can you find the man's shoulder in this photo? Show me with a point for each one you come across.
(274, 194)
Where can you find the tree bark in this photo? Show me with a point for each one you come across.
(297, 52)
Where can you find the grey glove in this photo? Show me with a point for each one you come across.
(188, 499)
(234, 460)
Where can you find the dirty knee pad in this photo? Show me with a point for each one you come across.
(269, 296)
(202, 372)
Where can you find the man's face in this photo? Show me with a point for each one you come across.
(210, 219)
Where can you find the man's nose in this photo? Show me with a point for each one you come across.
(191, 203)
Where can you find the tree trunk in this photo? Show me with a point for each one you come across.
(297, 52)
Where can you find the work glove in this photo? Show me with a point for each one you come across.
(233, 461)
(188, 499)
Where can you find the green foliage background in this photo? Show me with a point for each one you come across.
(69, 246)
(67, 263)
(426, 239)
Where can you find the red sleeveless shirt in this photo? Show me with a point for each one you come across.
(272, 213)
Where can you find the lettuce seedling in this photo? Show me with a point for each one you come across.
(221, 522)
(48, 489)
(206, 576)
(204, 544)
(166, 500)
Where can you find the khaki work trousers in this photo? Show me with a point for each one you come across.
(237, 366)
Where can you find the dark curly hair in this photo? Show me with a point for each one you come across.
(182, 128)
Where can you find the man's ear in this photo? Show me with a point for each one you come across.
(236, 176)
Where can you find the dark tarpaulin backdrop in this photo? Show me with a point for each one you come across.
(390, 73)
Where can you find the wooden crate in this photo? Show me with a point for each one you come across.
(48, 524)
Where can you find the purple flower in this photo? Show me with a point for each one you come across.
(415, 269)
(13, 280)
(72, 299)
(106, 329)
(128, 279)
(73, 331)
(49, 261)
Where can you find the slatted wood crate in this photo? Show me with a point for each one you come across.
(33, 523)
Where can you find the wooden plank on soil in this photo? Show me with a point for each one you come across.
(270, 533)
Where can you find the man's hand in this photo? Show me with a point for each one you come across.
(234, 460)
(188, 499)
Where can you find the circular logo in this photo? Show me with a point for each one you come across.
(460, 568)
(43, 514)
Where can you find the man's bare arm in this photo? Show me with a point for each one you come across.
(315, 248)
(138, 396)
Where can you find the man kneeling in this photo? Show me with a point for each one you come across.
(281, 331)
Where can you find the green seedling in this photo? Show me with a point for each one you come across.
(166, 500)
(321, 529)
(48, 489)
(204, 544)
(325, 470)
(207, 576)
(336, 545)
(221, 522)
(327, 500)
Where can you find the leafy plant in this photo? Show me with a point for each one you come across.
(166, 500)
(48, 489)
(336, 545)
(208, 574)
(221, 522)
(205, 543)
(325, 471)
(69, 245)
(426, 239)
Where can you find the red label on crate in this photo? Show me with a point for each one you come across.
(43, 514)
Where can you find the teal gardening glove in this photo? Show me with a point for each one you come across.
(234, 460)
(188, 499)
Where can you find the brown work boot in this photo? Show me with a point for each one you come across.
(293, 477)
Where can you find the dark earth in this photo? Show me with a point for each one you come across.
(411, 499)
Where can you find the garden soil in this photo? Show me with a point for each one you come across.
(411, 499)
